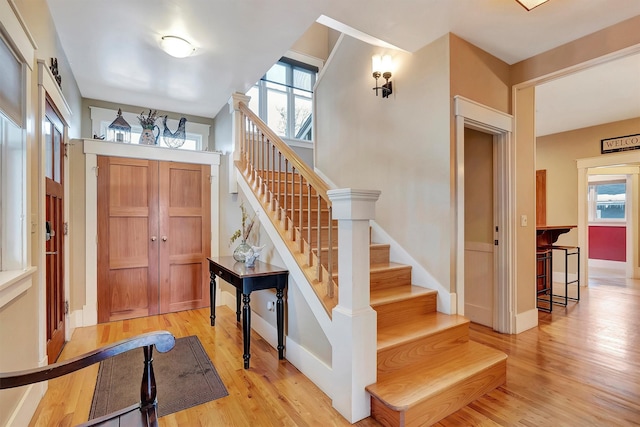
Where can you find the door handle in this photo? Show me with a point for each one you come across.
(154, 238)
(51, 253)
(164, 238)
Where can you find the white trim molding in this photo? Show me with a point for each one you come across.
(470, 114)
(92, 149)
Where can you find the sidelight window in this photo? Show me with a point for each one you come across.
(13, 189)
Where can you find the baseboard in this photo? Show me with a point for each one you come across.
(608, 265)
(90, 315)
(27, 405)
(526, 320)
(306, 362)
(75, 320)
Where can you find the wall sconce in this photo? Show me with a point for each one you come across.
(381, 66)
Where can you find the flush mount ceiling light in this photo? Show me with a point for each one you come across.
(176, 46)
(530, 4)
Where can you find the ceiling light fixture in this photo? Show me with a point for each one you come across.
(176, 46)
(381, 66)
(530, 4)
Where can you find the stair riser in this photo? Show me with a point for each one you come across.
(377, 255)
(397, 312)
(324, 236)
(324, 219)
(421, 350)
(390, 278)
(430, 411)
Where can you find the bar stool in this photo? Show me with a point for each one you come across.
(568, 251)
(544, 279)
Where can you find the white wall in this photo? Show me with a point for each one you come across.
(399, 145)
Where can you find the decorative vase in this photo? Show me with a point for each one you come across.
(242, 252)
(148, 137)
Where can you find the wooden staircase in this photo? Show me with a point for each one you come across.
(427, 368)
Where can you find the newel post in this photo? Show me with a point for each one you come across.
(353, 320)
(236, 135)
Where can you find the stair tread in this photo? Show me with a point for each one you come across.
(414, 384)
(371, 245)
(416, 327)
(385, 266)
(398, 293)
(388, 266)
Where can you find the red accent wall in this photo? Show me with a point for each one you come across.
(609, 243)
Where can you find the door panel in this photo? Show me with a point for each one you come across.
(479, 227)
(54, 244)
(127, 238)
(185, 231)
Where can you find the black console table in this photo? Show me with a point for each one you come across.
(247, 280)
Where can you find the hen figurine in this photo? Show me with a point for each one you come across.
(174, 139)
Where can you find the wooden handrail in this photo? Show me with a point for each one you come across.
(259, 146)
(163, 340)
(309, 175)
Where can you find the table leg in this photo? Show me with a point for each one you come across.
(246, 329)
(212, 297)
(238, 304)
(280, 322)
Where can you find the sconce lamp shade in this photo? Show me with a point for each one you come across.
(382, 66)
(176, 46)
(530, 4)
(119, 130)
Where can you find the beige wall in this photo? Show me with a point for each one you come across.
(558, 153)
(314, 42)
(479, 76)
(615, 40)
(21, 318)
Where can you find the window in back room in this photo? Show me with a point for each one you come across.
(607, 201)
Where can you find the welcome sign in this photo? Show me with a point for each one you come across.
(620, 143)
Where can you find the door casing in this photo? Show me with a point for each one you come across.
(476, 116)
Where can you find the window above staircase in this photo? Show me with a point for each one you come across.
(283, 98)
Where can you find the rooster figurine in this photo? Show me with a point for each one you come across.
(174, 139)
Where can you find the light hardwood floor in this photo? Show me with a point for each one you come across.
(579, 367)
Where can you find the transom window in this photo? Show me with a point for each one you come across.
(283, 98)
(197, 134)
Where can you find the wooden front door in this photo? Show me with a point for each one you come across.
(154, 236)
(54, 244)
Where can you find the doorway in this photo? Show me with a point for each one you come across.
(479, 221)
(498, 125)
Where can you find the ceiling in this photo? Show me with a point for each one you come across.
(113, 46)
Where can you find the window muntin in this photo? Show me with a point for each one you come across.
(283, 99)
(607, 201)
